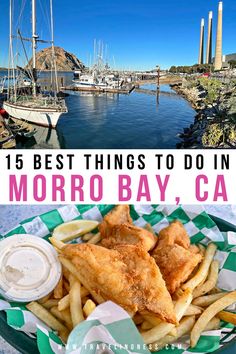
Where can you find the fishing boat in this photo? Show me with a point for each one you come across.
(7, 139)
(89, 81)
(93, 81)
(99, 76)
(32, 105)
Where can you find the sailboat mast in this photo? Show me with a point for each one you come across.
(53, 48)
(34, 45)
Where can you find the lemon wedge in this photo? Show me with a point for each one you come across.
(73, 229)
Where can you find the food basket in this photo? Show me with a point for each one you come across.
(15, 322)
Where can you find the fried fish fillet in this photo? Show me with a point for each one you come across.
(129, 234)
(117, 228)
(175, 233)
(176, 264)
(117, 216)
(175, 256)
(126, 275)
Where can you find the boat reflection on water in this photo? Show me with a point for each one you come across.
(94, 102)
(92, 109)
(44, 138)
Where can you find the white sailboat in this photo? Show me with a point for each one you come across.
(34, 107)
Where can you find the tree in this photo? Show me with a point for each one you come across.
(232, 64)
(173, 69)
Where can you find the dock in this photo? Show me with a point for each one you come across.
(124, 90)
(155, 92)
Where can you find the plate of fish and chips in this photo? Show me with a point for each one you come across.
(168, 285)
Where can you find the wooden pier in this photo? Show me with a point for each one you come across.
(124, 90)
(155, 92)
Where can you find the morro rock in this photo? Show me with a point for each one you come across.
(65, 61)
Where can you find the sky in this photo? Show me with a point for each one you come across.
(139, 34)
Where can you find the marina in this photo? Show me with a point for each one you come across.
(53, 99)
(112, 120)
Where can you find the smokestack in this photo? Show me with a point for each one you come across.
(218, 55)
(209, 39)
(201, 48)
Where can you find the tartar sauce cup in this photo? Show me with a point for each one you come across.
(29, 268)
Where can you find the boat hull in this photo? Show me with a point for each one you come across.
(89, 86)
(39, 116)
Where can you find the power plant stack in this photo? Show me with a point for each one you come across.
(201, 48)
(218, 54)
(209, 39)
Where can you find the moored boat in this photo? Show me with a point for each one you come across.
(33, 110)
(92, 81)
(29, 104)
(89, 81)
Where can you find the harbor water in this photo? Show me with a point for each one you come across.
(101, 120)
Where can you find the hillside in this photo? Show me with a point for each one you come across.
(65, 61)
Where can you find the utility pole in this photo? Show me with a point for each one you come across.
(158, 83)
(158, 76)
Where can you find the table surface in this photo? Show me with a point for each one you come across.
(11, 215)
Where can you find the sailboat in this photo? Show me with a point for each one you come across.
(33, 106)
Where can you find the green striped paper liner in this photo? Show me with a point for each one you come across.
(200, 228)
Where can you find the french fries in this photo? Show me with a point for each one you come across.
(210, 282)
(50, 303)
(75, 304)
(89, 307)
(66, 316)
(164, 328)
(193, 310)
(203, 269)
(207, 299)
(69, 266)
(57, 243)
(44, 299)
(48, 318)
(66, 273)
(146, 325)
(208, 314)
(54, 310)
(202, 249)
(215, 290)
(87, 236)
(66, 286)
(213, 324)
(58, 291)
(64, 303)
(184, 327)
(227, 316)
(152, 319)
(95, 239)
